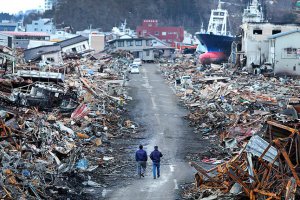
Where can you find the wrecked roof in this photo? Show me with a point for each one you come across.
(71, 41)
(35, 53)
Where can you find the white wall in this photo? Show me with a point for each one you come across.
(56, 56)
(256, 46)
(150, 55)
(4, 40)
(286, 65)
(79, 47)
(97, 42)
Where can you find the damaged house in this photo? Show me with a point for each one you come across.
(285, 53)
(255, 43)
(75, 45)
(140, 47)
(48, 53)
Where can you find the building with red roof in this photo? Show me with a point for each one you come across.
(167, 34)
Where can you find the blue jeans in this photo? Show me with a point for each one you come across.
(141, 167)
(156, 166)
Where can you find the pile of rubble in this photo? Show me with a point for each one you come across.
(254, 121)
(57, 124)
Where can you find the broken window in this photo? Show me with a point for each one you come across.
(257, 32)
(138, 43)
(276, 32)
(148, 43)
(120, 43)
(51, 59)
(290, 53)
(130, 43)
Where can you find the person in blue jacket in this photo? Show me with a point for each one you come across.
(141, 159)
(155, 157)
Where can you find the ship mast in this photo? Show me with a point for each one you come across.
(253, 13)
(218, 21)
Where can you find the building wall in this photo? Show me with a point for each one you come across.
(135, 44)
(77, 48)
(21, 43)
(6, 40)
(285, 60)
(255, 44)
(4, 27)
(49, 4)
(40, 26)
(55, 57)
(166, 34)
(148, 55)
(97, 42)
(143, 51)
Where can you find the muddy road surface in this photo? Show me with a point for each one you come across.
(156, 108)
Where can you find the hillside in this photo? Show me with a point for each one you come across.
(104, 14)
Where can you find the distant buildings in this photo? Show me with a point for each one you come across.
(22, 39)
(8, 26)
(49, 4)
(42, 25)
(167, 34)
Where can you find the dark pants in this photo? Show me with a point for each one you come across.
(156, 166)
(141, 167)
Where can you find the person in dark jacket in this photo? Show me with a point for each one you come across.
(141, 159)
(155, 157)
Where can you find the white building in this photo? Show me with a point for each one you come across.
(42, 25)
(97, 39)
(49, 4)
(140, 47)
(77, 44)
(255, 42)
(285, 53)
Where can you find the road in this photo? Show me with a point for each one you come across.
(156, 107)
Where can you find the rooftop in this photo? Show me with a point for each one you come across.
(283, 34)
(38, 34)
(71, 41)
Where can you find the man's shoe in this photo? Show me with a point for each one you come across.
(154, 177)
(142, 175)
(158, 176)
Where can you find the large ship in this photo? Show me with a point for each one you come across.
(217, 40)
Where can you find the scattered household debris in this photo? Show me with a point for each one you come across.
(59, 124)
(252, 123)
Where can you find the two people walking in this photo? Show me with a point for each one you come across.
(141, 158)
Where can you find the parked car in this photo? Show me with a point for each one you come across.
(138, 61)
(134, 69)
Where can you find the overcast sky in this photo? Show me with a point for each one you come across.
(14, 6)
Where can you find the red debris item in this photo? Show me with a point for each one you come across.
(81, 111)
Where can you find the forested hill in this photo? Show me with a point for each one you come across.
(105, 14)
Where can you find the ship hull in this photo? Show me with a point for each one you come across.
(218, 47)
